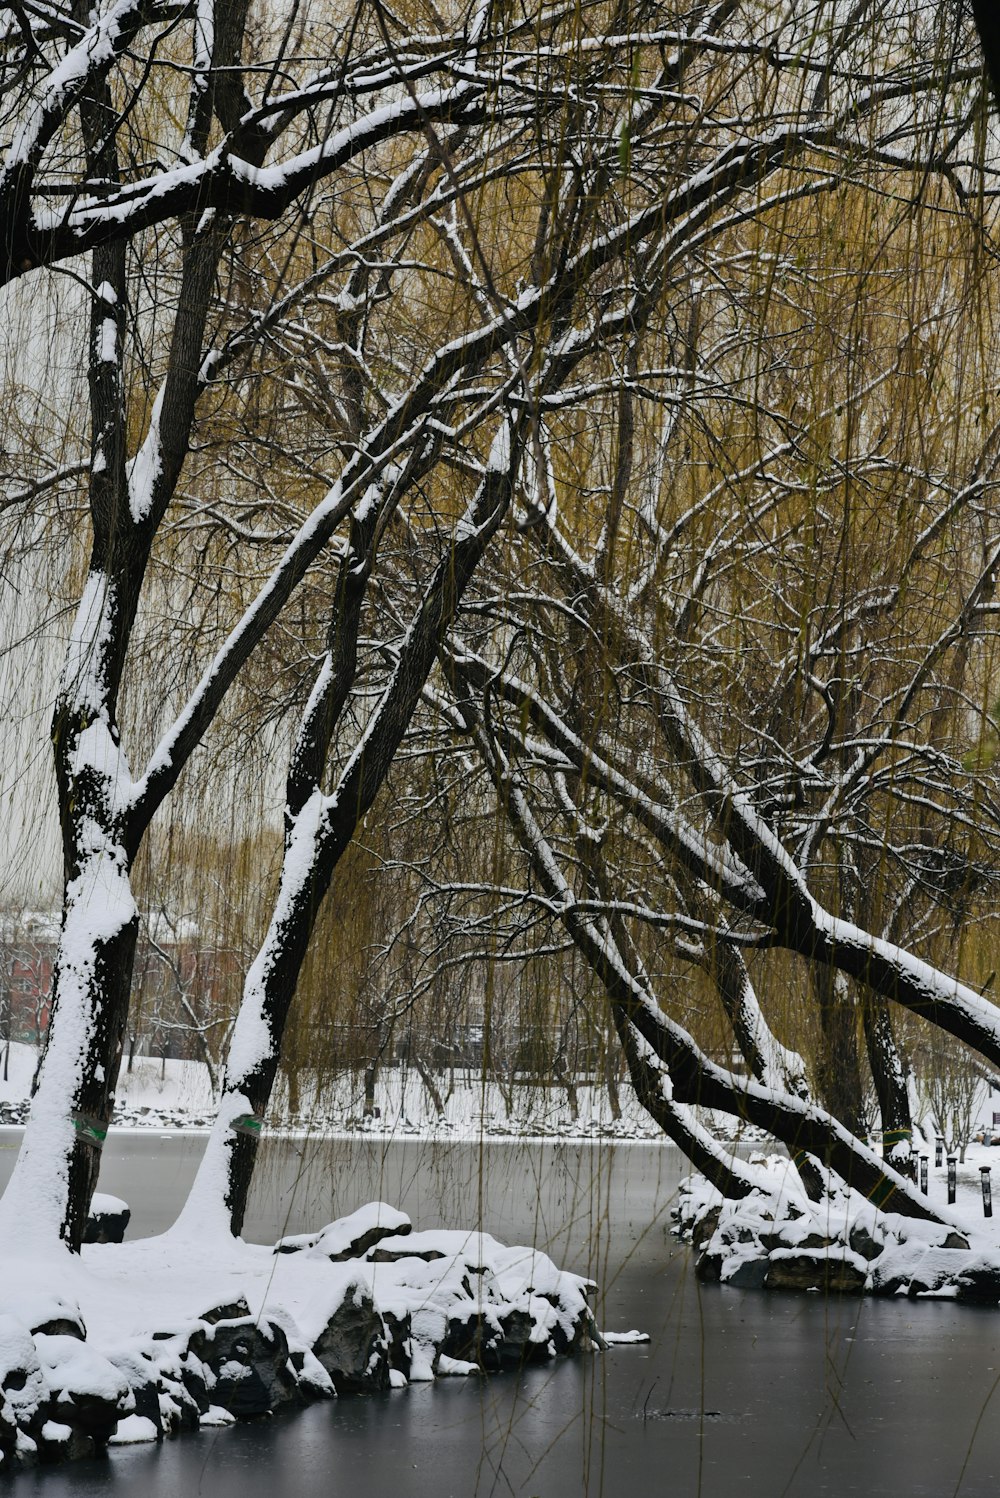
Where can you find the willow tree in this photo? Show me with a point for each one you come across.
(135, 142)
(738, 703)
(525, 196)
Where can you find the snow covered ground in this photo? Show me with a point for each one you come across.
(177, 1094)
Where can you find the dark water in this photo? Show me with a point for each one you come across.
(737, 1394)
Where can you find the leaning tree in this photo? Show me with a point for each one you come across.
(739, 705)
(330, 318)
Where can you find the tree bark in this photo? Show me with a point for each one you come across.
(890, 1083)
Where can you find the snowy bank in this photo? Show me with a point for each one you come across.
(776, 1238)
(172, 1094)
(135, 1341)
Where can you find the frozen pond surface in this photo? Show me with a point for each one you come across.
(737, 1394)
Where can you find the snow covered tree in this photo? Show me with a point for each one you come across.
(134, 140)
(397, 278)
(740, 715)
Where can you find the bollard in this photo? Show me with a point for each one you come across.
(952, 1178)
(938, 1153)
(984, 1175)
(923, 1174)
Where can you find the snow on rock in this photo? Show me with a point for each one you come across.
(349, 1237)
(149, 1338)
(455, 1367)
(480, 1301)
(102, 1202)
(40, 1310)
(60, 1398)
(216, 1415)
(21, 1379)
(133, 1430)
(777, 1238)
(80, 1375)
(109, 1217)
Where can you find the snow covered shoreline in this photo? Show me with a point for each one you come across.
(777, 1239)
(175, 1095)
(136, 1341)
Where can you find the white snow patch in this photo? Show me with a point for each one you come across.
(105, 1205)
(107, 341)
(97, 751)
(53, 1431)
(81, 677)
(145, 468)
(75, 1368)
(215, 1415)
(338, 1237)
(455, 1367)
(133, 1431)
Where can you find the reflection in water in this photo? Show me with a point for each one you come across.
(737, 1393)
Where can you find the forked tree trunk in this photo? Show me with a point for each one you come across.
(319, 829)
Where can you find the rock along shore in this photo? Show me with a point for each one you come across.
(365, 1304)
(777, 1239)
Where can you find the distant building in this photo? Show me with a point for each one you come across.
(173, 989)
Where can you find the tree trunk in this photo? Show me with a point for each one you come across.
(425, 1076)
(371, 1076)
(611, 1080)
(838, 1071)
(318, 830)
(57, 1166)
(890, 1083)
(562, 1074)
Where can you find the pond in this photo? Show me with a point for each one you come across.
(737, 1392)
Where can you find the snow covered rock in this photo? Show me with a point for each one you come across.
(134, 1429)
(109, 1217)
(23, 1390)
(138, 1366)
(160, 1336)
(349, 1237)
(87, 1390)
(482, 1302)
(843, 1273)
(55, 1315)
(249, 1363)
(776, 1238)
(353, 1346)
(978, 1282)
(232, 1310)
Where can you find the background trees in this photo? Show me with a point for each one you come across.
(653, 311)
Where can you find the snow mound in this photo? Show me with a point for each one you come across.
(349, 1237)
